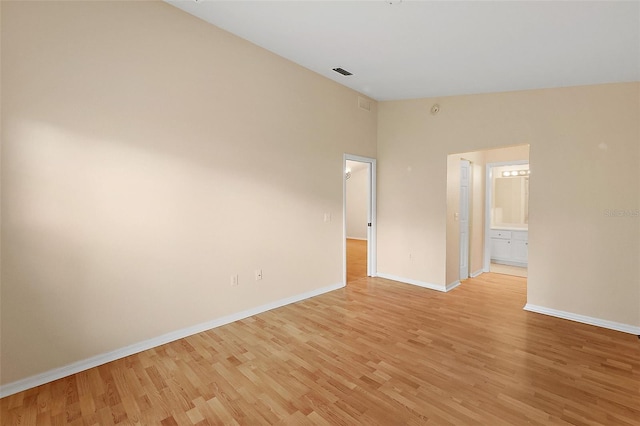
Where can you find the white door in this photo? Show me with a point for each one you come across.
(465, 194)
(371, 215)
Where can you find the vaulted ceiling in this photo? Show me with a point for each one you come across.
(413, 49)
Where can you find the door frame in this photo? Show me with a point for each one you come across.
(372, 267)
(487, 207)
(468, 212)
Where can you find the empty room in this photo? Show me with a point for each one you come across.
(184, 185)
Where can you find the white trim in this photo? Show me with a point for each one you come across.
(625, 328)
(355, 238)
(413, 282)
(372, 256)
(372, 247)
(452, 285)
(76, 367)
(463, 273)
(477, 273)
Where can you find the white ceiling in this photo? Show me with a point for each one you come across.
(415, 49)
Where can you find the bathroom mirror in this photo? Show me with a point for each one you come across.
(510, 201)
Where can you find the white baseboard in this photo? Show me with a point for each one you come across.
(452, 285)
(76, 367)
(476, 273)
(625, 328)
(413, 282)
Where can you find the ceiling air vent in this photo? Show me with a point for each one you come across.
(342, 71)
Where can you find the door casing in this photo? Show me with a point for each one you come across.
(371, 216)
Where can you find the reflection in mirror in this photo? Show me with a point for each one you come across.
(510, 201)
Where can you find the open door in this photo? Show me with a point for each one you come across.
(465, 208)
(361, 169)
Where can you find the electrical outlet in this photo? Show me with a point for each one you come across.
(258, 273)
(234, 280)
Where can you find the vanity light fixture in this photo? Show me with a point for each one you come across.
(515, 173)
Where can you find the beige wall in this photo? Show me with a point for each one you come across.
(503, 155)
(584, 160)
(147, 157)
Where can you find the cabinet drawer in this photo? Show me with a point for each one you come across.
(504, 235)
(520, 235)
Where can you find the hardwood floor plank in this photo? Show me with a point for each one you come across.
(356, 259)
(374, 352)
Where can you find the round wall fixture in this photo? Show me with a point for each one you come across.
(435, 109)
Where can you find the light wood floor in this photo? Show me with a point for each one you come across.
(374, 352)
(508, 270)
(356, 259)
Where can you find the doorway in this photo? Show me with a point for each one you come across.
(471, 255)
(359, 218)
(465, 209)
(507, 218)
